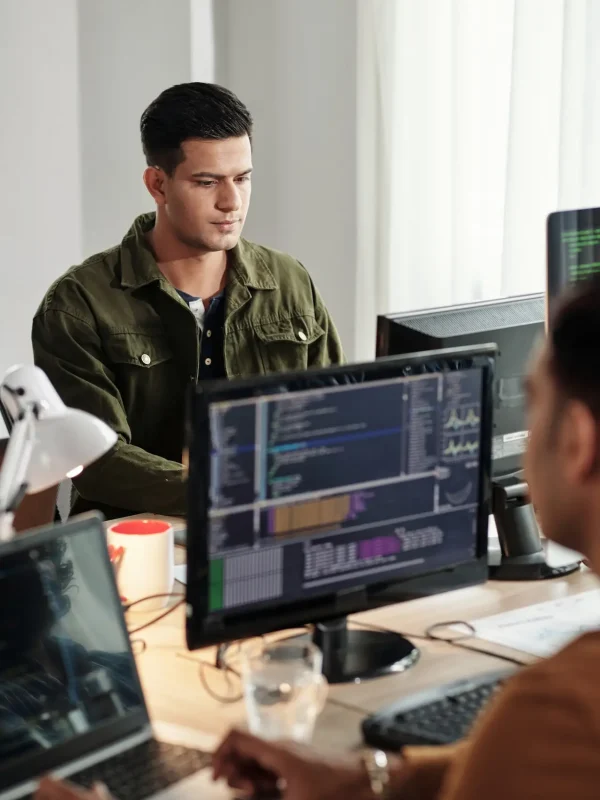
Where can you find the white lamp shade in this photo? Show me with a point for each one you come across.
(64, 445)
(65, 440)
(25, 384)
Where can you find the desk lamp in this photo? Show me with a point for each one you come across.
(48, 441)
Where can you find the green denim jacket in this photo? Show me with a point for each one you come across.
(117, 340)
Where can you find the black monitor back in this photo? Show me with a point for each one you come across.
(513, 324)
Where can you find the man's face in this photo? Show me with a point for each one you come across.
(206, 198)
(560, 464)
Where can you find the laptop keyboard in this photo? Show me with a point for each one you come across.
(144, 770)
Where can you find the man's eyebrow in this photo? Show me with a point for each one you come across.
(214, 175)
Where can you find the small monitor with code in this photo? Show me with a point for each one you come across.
(573, 248)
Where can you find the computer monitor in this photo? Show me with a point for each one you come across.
(514, 324)
(319, 494)
(573, 242)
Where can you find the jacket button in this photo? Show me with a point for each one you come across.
(302, 336)
(145, 359)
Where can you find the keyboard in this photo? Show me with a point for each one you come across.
(144, 770)
(441, 715)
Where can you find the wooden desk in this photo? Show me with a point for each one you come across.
(175, 694)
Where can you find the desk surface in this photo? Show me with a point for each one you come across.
(170, 674)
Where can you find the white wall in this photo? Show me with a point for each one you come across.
(293, 62)
(40, 210)
(129, 52)
(75, 76)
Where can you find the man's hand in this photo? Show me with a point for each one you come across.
(257, 767)
(52, 789)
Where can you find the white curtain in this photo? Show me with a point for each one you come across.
(476, 119)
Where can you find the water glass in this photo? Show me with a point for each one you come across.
(284, 689)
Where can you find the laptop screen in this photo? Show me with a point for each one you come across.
(66, 668)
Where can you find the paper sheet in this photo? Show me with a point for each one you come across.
(181, 573)
(544, 628)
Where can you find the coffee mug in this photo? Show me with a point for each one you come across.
(143, 555)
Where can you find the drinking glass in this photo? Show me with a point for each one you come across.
(284, 689)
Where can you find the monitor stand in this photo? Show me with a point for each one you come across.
(351, 655)
(522, 555)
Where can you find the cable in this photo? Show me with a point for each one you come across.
(159, 616)
(419, 636)
(128, 606)
(224, 667)
(225, 671)
(138, 646)
(457, 641)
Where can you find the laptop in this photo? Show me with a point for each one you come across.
(71, 702)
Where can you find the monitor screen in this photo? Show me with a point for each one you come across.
(515, 325)
(66, 670)
(573, 247)
(342, 487)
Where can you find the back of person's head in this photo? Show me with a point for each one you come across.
(574, 344)
(563, 456)
(190, 111)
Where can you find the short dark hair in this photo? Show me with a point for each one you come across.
(574, 344)
(190, 111)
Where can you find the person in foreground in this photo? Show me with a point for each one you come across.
(183, 298)
(541, 736)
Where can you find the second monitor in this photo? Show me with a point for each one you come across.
(514, 324)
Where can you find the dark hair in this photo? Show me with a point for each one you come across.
(574, 339)
(190, 111)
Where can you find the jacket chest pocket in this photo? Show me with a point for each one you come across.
(145, 369)
(284, 345)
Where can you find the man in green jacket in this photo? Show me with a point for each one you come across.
(182, 298)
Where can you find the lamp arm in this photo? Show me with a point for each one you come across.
(16, 459)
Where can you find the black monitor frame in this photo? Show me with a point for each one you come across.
(201, 632)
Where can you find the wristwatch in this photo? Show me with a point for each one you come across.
(378, 771)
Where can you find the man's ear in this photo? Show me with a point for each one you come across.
(579, 433)
(154, 178)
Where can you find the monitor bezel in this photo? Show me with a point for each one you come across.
(201, 629)
(28, 766)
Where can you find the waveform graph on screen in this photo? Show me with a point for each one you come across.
(325, 513)
(460, 433)
(459, 420)
(457, 447)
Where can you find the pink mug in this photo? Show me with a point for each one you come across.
(143, 554)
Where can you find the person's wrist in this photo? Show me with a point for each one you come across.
(361, 782)
(384, 773)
